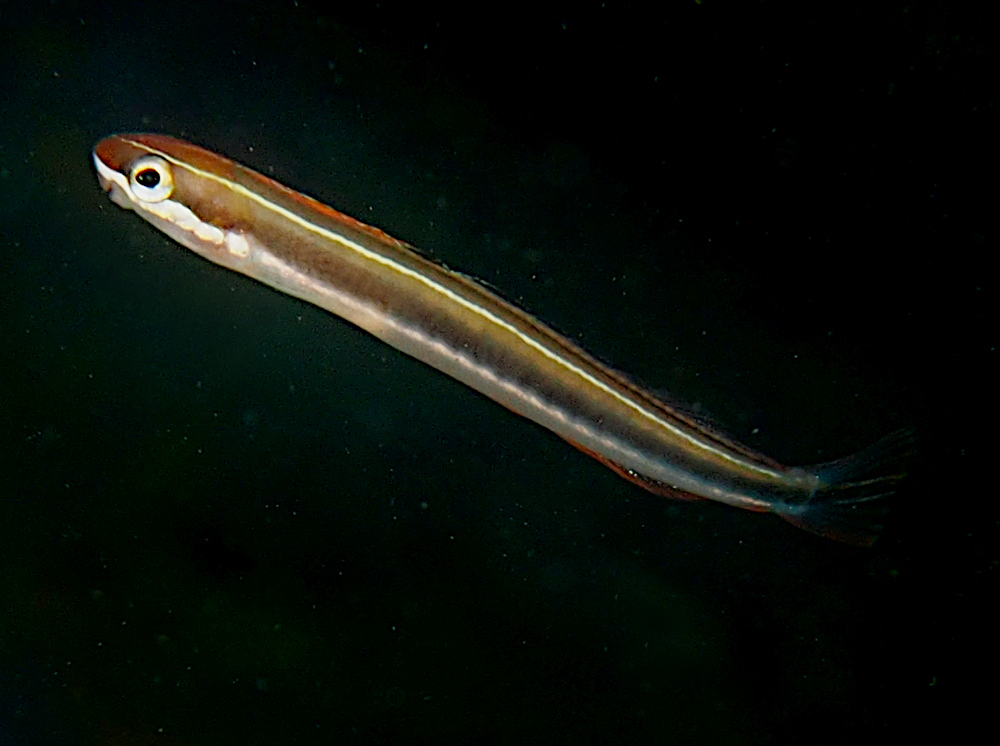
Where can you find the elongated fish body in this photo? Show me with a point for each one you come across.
(249, 223)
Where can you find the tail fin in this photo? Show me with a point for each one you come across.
(850, 504)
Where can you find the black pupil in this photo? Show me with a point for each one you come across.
(148, 177)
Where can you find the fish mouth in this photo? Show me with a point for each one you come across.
(112, 182)
(103, 178)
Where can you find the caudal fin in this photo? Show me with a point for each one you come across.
(850, 505)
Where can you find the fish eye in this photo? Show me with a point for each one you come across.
(151, 179)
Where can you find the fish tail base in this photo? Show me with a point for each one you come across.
(850, 504)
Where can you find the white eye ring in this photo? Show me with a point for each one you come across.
(151, 179)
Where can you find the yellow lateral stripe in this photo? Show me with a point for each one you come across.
(441, 290)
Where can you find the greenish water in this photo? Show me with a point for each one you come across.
(228, 517)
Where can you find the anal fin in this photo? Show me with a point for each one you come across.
(657, 488)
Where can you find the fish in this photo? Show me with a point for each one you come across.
(251, 224)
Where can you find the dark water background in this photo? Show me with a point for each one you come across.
(227, 517)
